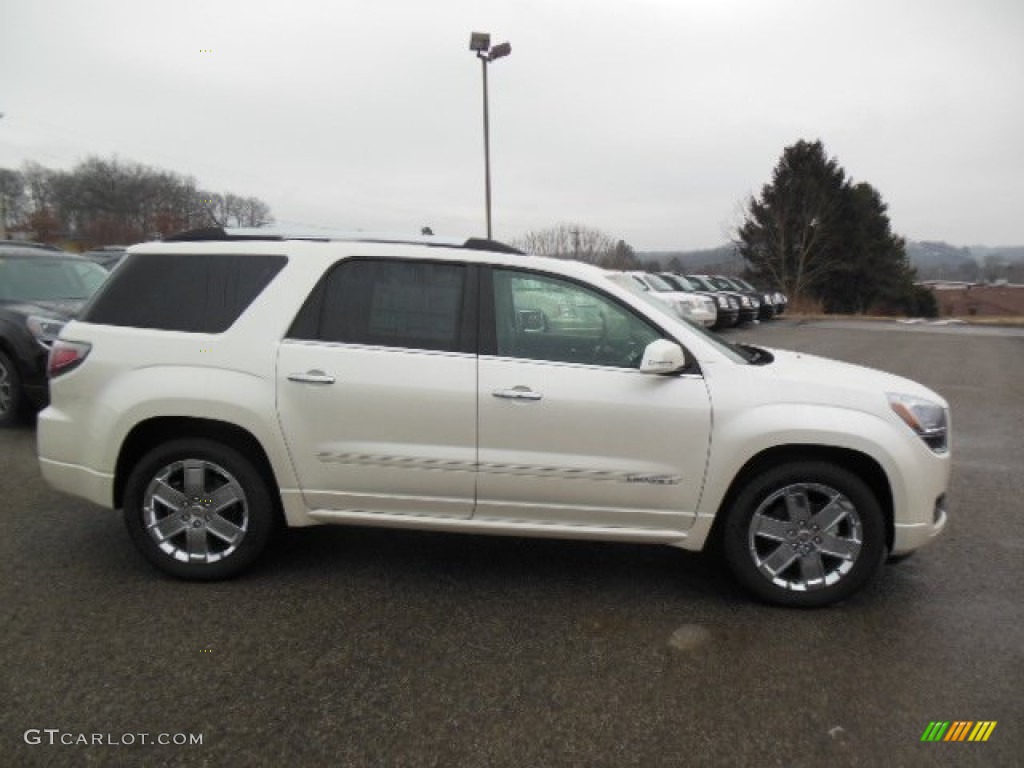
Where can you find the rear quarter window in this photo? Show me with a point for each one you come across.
(195, 292)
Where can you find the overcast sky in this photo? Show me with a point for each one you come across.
(651, 120)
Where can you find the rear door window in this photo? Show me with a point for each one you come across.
(389, 303)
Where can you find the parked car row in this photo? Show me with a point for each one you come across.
(713, 301)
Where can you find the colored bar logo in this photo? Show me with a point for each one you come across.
(959, 730)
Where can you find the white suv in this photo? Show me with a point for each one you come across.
(225, 383)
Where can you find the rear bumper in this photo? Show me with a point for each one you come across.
(77, 480)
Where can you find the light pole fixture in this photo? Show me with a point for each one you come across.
(480, 43)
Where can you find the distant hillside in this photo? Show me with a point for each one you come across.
(721, 259)
(928, 254)
(942, 261)
(1010, 253)
(932, 259)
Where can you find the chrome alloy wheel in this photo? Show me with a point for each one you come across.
(805, 537)
(195, 511)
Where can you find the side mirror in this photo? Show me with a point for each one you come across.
(663, 356)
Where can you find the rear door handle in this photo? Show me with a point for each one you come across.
(517, 393)
(311, 377)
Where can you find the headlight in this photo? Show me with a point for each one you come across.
(45, 329)
(929, 420)
(721, 301)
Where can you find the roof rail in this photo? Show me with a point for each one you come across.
(273, 234)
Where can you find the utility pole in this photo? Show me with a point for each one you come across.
(3, 209)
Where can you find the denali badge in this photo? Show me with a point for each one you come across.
(654, 479)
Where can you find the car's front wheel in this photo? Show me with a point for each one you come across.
(198, 509)
(806, 534)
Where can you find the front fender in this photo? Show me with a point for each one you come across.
(741, 436)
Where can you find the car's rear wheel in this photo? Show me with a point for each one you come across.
(12, 397)
(806, 534)
(198, 509)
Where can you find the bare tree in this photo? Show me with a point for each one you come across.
(254, 213)
(13, 200)
(113, 201)
(621, 257)
(569, 241)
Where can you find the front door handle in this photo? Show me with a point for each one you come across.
(311, 377)
(517, 393)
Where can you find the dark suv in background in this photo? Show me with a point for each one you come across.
(40, 290)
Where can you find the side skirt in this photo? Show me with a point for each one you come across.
(499, 527)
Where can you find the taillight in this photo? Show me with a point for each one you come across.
(66, 356)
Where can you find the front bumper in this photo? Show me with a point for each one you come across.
(727, 318)
(906, 537)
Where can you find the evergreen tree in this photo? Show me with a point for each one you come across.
(790, 235)
(817, 235)
(872, 270)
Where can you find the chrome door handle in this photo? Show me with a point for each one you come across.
(311, 377)
(517, 393)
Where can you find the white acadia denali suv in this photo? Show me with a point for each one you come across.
(222, 384)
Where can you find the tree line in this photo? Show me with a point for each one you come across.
(106, 201)
(580, 243)
(812, 232)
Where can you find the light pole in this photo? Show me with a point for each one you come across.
(480, 42)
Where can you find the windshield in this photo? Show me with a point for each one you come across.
(658, 283)
(744, 283)
(723, 285)
(44, 279)
(701, 283)
(681, 283)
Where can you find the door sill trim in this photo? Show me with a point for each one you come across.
(495, 527)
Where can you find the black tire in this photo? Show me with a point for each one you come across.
(12, 396)
(897, 559)
(198, 509)
(806, 535)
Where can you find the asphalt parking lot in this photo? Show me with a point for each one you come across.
(352, 647)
